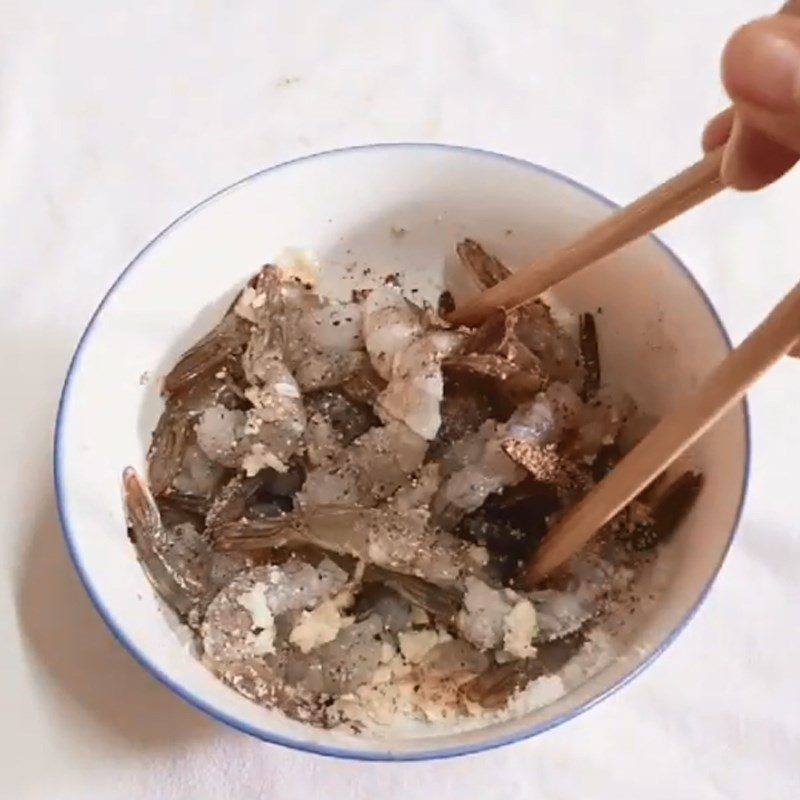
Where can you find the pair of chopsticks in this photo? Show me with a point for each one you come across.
(776, 336)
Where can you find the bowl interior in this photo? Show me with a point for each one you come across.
(369, 212)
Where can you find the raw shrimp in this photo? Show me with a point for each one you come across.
(320, 341)
(262, 299)
(333, 349)
(371, 469)
(534, 429)
(176, 560)
(241, 496)
(474, 468)
(346, 494)
(416, 385)
(209, 354)
(199, 475)
(400, 542)
(241, 632)
(390, 325)
(342, 665)
(441, 601)
(496, 351)
(556, 350)
(493, 687)
(219, 432)
(420, 489)
(180, 507)
(167, 448)
(169, 453)
(274, 427)
(364, 386)
(324, 346)
(334, 421)
(497, 684)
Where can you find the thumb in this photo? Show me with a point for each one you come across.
(761, 72)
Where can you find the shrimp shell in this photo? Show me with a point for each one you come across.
(330, 529)
(402, 543)
(590, 355)
(441, 601)
(364, 386)
(233, 500)
(275, 425)
(493, 687)
(555, 349)
(144, 530)
(667, 512)
(188, 507)
(229, 336)
(495, 350)
(167, 447)
(487, 269)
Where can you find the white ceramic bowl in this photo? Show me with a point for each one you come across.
(659, 335)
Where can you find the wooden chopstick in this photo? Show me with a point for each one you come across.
(682, 192)
(776, 336)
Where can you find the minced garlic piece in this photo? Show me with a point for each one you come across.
(519, 628)
(255, 601)
(319, 626)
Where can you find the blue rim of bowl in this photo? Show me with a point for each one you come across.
(387, 755)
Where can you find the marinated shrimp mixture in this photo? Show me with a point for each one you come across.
(341, 496)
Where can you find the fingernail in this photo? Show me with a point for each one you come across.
(769, 75)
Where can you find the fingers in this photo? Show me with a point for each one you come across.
(718, 130)
(761, 72)
(761, 65)
(752, 160)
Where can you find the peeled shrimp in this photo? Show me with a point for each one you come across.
(334, 421)
(320, 341)
(371, 469)
(416, 385)
(324, 344)
(390, 325)
(273, 429)
(475, 467)
(198, 476)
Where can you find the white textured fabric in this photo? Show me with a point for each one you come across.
(115, 117)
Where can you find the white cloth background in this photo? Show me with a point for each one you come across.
(115, 117)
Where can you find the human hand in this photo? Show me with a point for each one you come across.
(761, 73)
